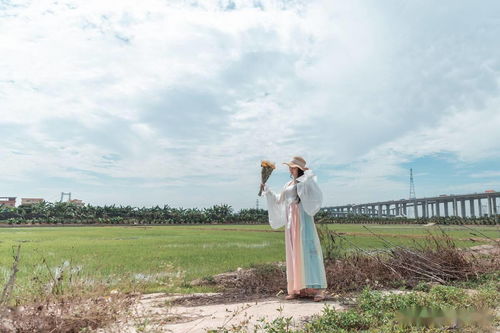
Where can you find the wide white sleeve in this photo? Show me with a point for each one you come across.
(309, 192)
(275, 208)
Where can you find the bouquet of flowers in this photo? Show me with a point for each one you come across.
(267, 169)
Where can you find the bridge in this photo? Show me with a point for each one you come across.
(462, 205)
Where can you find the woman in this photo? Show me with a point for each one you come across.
(294, 208)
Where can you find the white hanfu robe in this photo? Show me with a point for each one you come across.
(294, 208)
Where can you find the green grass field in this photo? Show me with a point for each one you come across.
(166, 258)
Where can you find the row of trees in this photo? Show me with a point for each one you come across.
(68, 213)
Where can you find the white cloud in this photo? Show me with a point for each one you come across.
(486, 174)
(180, 94)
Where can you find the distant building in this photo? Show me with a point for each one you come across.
(8, 201)
(31, 201)
(77, 202)
(489, 191)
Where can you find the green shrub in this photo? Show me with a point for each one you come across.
(339, 321)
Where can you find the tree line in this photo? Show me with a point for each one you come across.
(70, 213)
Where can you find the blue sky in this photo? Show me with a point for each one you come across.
(176, 102)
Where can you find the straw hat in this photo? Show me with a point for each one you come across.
(297, 162)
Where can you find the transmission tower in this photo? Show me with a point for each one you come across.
(257, 204)
(63, 194)
(412, 186)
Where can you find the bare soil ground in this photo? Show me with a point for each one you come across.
(487, 249)
(155, 313)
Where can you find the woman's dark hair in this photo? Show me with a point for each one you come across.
(299, 173)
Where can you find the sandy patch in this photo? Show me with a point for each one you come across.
(155, 313)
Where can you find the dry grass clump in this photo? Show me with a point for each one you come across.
(437, 259)
(259, 281)
(356, 271)
(244, 284)
(65, 303)
(74, 313)
(262, 279)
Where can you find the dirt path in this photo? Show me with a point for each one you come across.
(154, 313)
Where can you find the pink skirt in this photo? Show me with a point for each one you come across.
(304, 257)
